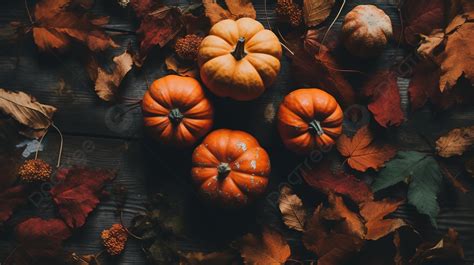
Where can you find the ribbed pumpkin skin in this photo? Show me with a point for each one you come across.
(245, 78)
(246, 164)
(366, 30)
(296, 113)
(186, 95)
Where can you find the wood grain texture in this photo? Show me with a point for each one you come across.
(94, 136)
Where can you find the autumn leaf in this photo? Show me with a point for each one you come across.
(421, 17)
(456, 142)
(447, 250)
(78, 192)
(334, 243)
(27, 111)
(159, 24)
(291, 208)
(316, 11)
(214, 258)
(270, 248)
(429, 44)
(315, 68)
(374, 213)
(422, 174)
(237, 9)
(176, 65)
(385, 101)
(10, 199)
(40, 237)
(107, 84)
(57, 24)
(323, 178)
(361, 151)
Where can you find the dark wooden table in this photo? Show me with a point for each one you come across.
(94, 136)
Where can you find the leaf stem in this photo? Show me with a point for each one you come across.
(332, 24)
(28, 12)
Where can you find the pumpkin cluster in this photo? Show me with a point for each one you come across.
(238, 59)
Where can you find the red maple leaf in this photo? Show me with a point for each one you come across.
(10, 199)
(420, 17)
(41, 238)
(78, 194)
(385, 101)
(324, 179)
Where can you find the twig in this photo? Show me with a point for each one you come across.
(332, 24)
(10, 255)
(126, 229)
(454, 180)
(266, 14)
(60, 145)
(28, 12)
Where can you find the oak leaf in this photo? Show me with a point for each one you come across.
(291, 208)
(456, 142)
(270, 248)
(40, 237)
(27, 111)
(236, 9)
(323, 178)
(316, 11)
(374, 213)
(107, 84)
(57, 24)
(78, 193)
(385, 101)
(10, 199)
(361, 151)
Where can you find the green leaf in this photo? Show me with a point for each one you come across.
(423, 176)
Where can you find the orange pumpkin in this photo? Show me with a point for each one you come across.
(230, 168)
(239, 59)
(176, 110)
(309, 119)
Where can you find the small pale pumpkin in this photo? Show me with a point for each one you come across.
(309, 119)
(176, 110)
(230, 168)
(366, 30)
(239, 59)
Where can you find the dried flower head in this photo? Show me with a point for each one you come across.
(114, 239)
(289, 11)
(35, 170)
(187, 46)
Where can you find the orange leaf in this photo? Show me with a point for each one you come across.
(362, 153)
(271, 248)
(374, 213)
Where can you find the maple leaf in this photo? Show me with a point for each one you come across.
(107, 84)
(270, 248)
(422, 174)
(237, 9)
(41, 238)
(27, 111)
(335, 243)
(420, 17)
(456, 142)
(315, 68)
(385, 101)
(214, 258)
(448, 249)
(362, 153)
(374, 212)
(291, 208)
(12, 198)
(159, 24)
(316, 11)
(57, 24)
(78, 193)
(324, 179)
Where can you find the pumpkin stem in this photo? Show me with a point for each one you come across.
(315, 127)
(175, 116)
(239, 51)
(223, 169)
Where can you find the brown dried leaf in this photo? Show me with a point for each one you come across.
(271, 248)
(447, 250)
(237, 9)
(292, 210)
(107, 84)
(374, 213)
(430, 43)
(316, 11)
(456, 142)
(214, 258)
(362, 153)
(27, 111)
(181, 68)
